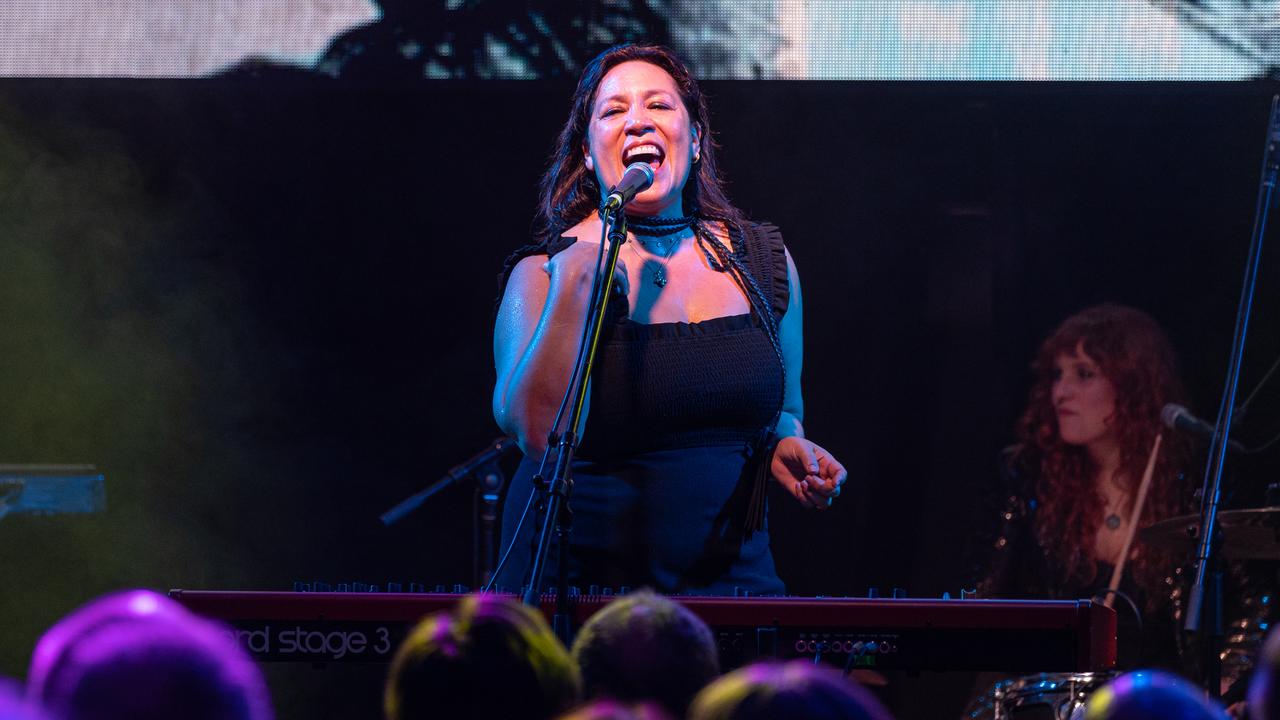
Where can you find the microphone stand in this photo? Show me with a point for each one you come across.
(482, 461)
(558, 489)
(485, 467)
(1208, 567)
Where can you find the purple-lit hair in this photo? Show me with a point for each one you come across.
(769, 691)
(616, 710)
(1264, 686)
(1151, 695)
(138, 654)
(13, 706)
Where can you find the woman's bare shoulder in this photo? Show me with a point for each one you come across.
(587, 230)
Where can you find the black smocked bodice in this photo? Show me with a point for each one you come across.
(675, 385)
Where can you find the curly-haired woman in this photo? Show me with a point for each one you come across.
(1100, 382)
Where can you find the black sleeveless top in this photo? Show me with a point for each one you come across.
(673, 385)
(668, 487)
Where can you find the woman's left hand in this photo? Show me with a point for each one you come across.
(811, 474)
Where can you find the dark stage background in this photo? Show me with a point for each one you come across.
(262, 305)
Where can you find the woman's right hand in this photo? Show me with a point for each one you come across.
(574, 268)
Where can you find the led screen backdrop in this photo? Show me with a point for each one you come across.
(724, 39)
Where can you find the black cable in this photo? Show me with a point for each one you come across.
(1264, 446)
(848, 664)
(1244, 406)
(507, 553)
(1101, 596)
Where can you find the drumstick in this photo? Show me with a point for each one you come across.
(1134, 517)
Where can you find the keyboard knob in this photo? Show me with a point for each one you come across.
(299, 586)
(394, 587)
(873, 593)
(899, 593)
(593, 589)
(459, 589)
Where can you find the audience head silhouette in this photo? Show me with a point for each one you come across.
(138, 655)
(646, 647)
(783, 692)
(489, 657)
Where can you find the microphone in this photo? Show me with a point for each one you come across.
(637, 178)
(497, 449)
(1177, 417)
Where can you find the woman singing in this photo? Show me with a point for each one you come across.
(695, 401)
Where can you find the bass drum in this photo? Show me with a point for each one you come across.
(1047, 696)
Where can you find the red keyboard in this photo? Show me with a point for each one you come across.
(1021, 636)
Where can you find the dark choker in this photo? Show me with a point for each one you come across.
(658, 226)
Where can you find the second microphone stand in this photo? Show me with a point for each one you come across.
(1204, 601)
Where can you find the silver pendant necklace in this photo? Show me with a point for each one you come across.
(659, 275)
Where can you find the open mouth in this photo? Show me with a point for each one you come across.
(649, 154)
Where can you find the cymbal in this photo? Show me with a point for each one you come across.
(1248, 534)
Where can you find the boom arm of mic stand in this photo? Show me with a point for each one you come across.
(414, 501)
(484, 459)
(560, 485)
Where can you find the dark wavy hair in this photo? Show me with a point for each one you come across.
(569, 192)
(1134, 354)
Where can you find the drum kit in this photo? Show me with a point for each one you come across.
(1047, 696)
(1249, 534)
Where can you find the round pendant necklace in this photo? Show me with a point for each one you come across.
(1113, 521)
(659, 275)
(655, 227)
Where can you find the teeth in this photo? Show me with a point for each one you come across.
(643, 150)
